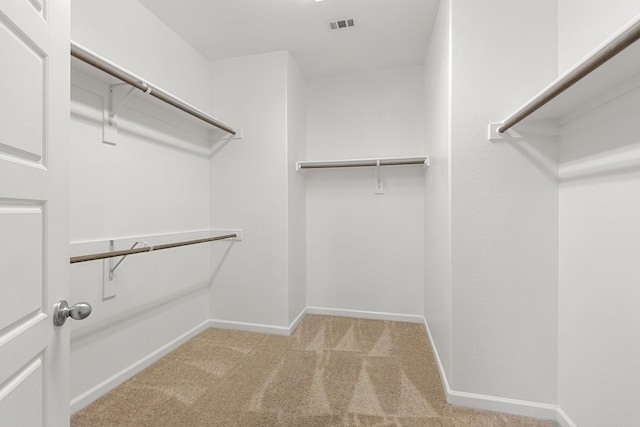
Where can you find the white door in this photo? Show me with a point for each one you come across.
(34, 237)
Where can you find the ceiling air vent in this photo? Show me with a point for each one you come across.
(342, 23)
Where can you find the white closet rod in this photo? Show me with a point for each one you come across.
(120, 73)
(626, 37)
(388, 161)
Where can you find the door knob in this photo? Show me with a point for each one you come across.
(62, 310)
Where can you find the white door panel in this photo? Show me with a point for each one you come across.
(34, 237)
(21, 398)
(21, 344)
(22, 96)
(21, 262)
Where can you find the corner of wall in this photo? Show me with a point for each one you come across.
(437, 287)
(296, 188)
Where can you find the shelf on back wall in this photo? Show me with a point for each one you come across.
(369, 162)
(377, 163)
(611, 70)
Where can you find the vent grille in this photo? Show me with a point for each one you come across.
(342, 23)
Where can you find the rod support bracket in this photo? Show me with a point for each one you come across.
(112, 267)
(113, 105)
(509, 136)
(116, 105)
(379, 189)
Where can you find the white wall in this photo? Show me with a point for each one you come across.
(437, 219)
(297, 192)
(249, 188)
(599, 233)
(252, 185)
(585, 25)
(154, 182)
(126, 33)
(365, 251)
(504, 206)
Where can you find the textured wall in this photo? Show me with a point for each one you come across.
(129, 35)
(254, 185)
(599, 234)
(504, 205)
(249, 188)
(133, 189)
(366, 251)
(297, 189)
(437, 219)
(582, 26)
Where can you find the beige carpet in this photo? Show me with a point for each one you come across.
(332, 371)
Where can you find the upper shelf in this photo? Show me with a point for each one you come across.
(610, 70)
(117, 74)
(350, 163)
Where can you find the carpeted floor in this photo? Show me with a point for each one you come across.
(332, 371)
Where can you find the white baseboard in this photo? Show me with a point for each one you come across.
(360, 314)
(109, 384)
(297, 321)
(564, 419)
(249, 327)
(436, 355)
(288, 330)
(258, 327)
(543, 411)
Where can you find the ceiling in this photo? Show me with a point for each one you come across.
(387, 32)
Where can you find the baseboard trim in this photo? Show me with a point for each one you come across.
(543, 411)
(112, 382)
(436, 355)
(297, 321)
(361, 314)
(250, 327)
(564, 419)
(491, 403)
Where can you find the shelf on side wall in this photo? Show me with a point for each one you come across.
(611, 70)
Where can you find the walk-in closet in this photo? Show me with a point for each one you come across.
(319, 213)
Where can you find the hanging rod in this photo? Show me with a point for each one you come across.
(351, 163)
(618, 43)
(112, 254)
(120, 73)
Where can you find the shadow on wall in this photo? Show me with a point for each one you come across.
(215, 269)
(599, 144)
(139, 117)
(604, 143)
(155, 306)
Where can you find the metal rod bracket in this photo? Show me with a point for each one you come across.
(115, 106)
(112, 267)
(508, 136)
(379, 189)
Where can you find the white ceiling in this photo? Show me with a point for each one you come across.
(387, 33)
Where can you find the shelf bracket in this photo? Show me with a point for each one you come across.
(111, 110)
(379, 184)
(509, 136)
(114, 107)
(532, 128)
(112, 267)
